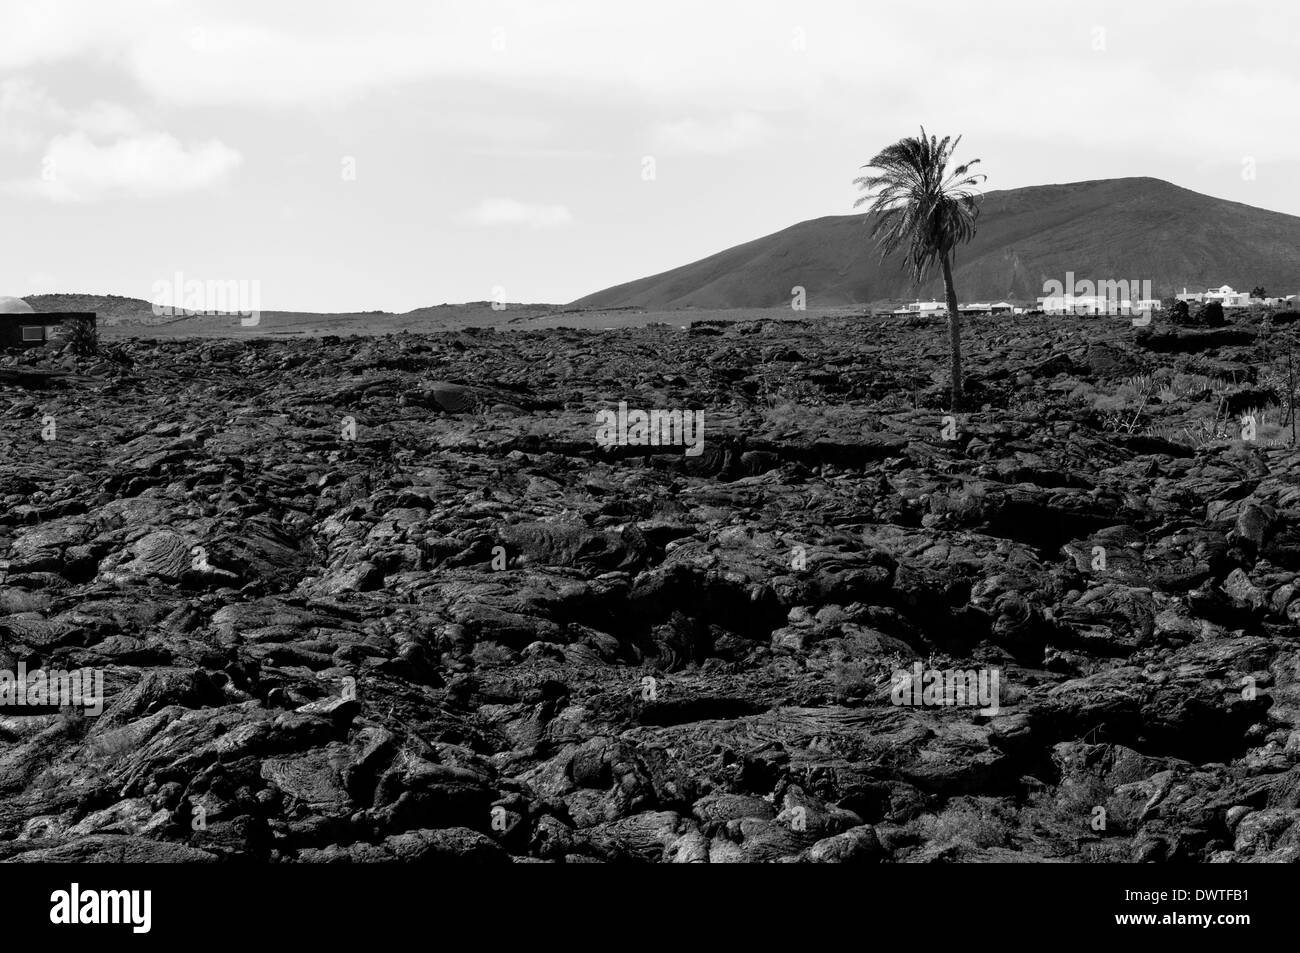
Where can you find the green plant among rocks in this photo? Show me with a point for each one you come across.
(1280, 378)
(794, 392)
(1198, 433)
(1266, 331)
(1123, 410)
(82, 336)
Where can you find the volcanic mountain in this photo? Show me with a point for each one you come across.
(1140, 229)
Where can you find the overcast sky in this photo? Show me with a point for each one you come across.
(391, 154)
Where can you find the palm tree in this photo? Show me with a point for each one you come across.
(927, 211)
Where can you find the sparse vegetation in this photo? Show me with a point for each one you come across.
(1123, 409)
(1210, 315)
(82, 336)
(790, 416)
(971, 822)
(1280, 377)
(1190, 408)
(1197, 433)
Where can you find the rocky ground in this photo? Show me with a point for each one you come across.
(463, 631)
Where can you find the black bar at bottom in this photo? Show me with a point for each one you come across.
(339, 903)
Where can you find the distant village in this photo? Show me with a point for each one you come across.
(1100, 304)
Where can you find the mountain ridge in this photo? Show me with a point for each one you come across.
(1138, 228)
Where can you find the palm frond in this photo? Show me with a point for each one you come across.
(916, 205)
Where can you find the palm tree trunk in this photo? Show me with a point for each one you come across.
(954, 334)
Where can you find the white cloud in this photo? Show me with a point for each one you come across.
(733, 133)
(106, 119)
(674, 52)
(75, 169)
(29, 115)
(839, 60)
(497, 211)
(25, 110)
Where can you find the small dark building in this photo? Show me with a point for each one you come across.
(21, 326)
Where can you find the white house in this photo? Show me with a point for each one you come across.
(1084, 304)
(1288, 301)
(939, 307)
(924, 307)
(1224, 295)
(1227, 297)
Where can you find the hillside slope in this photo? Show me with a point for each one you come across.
(1136, 228)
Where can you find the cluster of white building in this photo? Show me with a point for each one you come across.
(1095, 304)
(1235, 299)
(1103, 304)
(941, 307)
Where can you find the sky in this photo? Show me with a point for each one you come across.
(395, 154)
